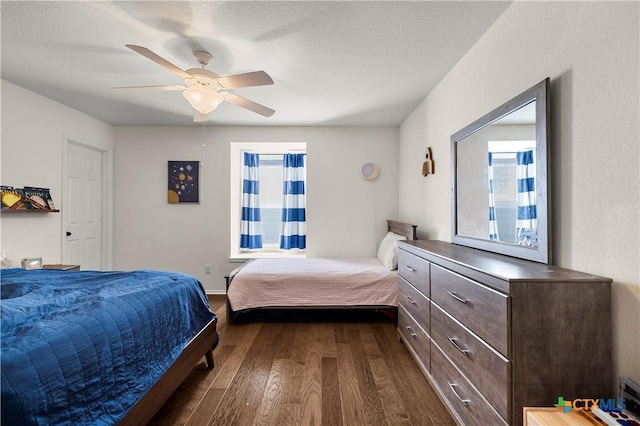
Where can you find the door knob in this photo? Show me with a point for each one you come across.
(68, 234)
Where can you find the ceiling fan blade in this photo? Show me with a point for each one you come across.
(158, 60)
(255, 78)
(246, 103)
(147, 88)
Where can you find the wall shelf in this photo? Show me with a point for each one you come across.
(28, 211)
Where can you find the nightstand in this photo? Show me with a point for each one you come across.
(552, 416)
(62, 267)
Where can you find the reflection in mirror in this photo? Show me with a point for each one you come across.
(512, 192)
(496, 175)
(499, 179)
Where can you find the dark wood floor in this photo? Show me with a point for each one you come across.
(305, 373)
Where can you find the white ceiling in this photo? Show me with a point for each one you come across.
(342, 63)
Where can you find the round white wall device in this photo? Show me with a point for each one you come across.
(369, 171)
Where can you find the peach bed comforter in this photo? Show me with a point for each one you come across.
(313, 282)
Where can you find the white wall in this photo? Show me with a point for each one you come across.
(590, 52)
(31, 147)
(346, 214)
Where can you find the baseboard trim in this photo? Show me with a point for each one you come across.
(216, 292)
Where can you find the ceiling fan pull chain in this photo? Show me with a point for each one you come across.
(204, 145)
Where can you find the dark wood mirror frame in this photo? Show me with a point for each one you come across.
(542, 253)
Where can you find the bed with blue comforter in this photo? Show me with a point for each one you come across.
(86, 347)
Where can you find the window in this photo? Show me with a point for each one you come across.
(512, 192)
(258, 200)
(271, 199)
(506, 197)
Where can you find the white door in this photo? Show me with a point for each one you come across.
(83, 207)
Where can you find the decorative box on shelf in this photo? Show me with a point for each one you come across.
(62, 267)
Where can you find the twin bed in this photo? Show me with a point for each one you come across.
(98, 347)
(267, 284)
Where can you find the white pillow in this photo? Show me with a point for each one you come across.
(388, 250)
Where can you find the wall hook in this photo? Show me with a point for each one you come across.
(427, 166)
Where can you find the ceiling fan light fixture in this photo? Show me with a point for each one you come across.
(205, 89)
(203, 100)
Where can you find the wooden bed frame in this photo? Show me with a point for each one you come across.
(201, 345)
(396, 227)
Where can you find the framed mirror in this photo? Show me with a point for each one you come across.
(499, 199)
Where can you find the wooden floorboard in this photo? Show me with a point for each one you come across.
(331, 406)
(305, 372)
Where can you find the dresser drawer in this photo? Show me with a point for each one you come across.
(415, 270)
(481, 364)
(463, 398)
(416, 304)
(414, 337)
(483, 310)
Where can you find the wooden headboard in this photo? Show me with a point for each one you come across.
(402, 228)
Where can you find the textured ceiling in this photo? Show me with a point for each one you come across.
(344, 63)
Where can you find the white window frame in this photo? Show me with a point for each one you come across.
(236, 153)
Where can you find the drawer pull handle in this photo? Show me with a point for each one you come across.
(458, 298)
(410, 268)
(410, 332)
(413, 302)
(453, 389)
(453, 341)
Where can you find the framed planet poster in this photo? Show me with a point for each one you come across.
(183, 182)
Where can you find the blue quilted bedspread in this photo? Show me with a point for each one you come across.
(84, 347)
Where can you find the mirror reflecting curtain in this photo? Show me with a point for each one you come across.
(499, 177)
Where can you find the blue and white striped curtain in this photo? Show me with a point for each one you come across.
(250, 225)
(294, 225)
(527, 219)
(493, 223)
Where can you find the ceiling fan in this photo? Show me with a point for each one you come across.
(204, 89)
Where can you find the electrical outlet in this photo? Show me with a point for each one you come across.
(207, 269)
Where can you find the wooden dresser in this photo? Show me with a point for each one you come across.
(494, 334)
